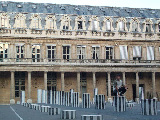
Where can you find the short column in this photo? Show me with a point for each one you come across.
(62, 81)
(29, 88)
(12, 95)
(119, 103)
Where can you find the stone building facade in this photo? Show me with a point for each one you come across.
(63, 47)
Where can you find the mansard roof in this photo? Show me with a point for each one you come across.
(28, 7)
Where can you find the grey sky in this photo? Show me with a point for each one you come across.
(154, 4)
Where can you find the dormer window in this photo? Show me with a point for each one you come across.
(80, 27)
(66, 25)
(20, 21)
(94, 25)
(108, 25)
(4, 20)
(35, 22)
(148, 27)
(121, 26)
(159, 26)
(134, 26)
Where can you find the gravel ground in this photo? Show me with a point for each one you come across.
(6, 113)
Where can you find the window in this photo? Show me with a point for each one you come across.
(66, 52)
(36, 23)
(123, 52)
(83, 82)
(81, 52)
(109, 52)
(19, 52)
(150, 53)
(66, 25)
(51, 23)
(159, 27)
(108, 25)
(4, 21)
(51, 52)
(80, 27)
(19, 83)
(121, 26)
(94, 25)
(20, 21)
(3, 51)
(51, 81)
(36, 52)
(137, 53)
(134, 26)
(148, 27)
(95, 52)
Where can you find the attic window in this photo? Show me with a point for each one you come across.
(76, 9)
(90, 9)
(34, 6)
(62, 8)
(4, 5)
(48, 6)
(141, 11)
(19, 6)
(153, 12)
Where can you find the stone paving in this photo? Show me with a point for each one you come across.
(25, 113)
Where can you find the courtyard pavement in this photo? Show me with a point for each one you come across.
(15, 112)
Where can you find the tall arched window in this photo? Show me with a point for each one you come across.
(134, 26)
(50, 22)
(65, 23)
(20, 21)
(108, 25)
(35, 22)
(4, 20)
(121, 25)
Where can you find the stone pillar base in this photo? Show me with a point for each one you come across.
(12, 101)
(29, 101)
(137, 100)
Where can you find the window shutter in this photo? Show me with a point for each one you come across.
(123, 52)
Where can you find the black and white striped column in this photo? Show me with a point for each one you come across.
(149, 106)
(91, 117)
(54, 111)
(71, 95)
(50, 97)
(44, 96)
(62, 98)
(75, 99)
(67, 96)
(54, 97)
(37, 107)
(39, 96)
(68, 114)
(119, 103)
(100, 101)
(86, 100)
(45, 108)
(95, 93)
(22, 97)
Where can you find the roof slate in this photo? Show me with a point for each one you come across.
(28, 7)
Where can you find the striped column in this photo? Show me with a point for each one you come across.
(54, 97)
(91, 117)
(119, 103)
(75, 99)
(54, 111)
(39, 96)
(43, 96)
(71, 95)
(86, 100)
(68, 114)
(149, 107)
(100, 102)
(45, 108)
(50, 98)
(62, 98)
(95, 93)
(22, 97)
(67, 94)
(57, 97)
